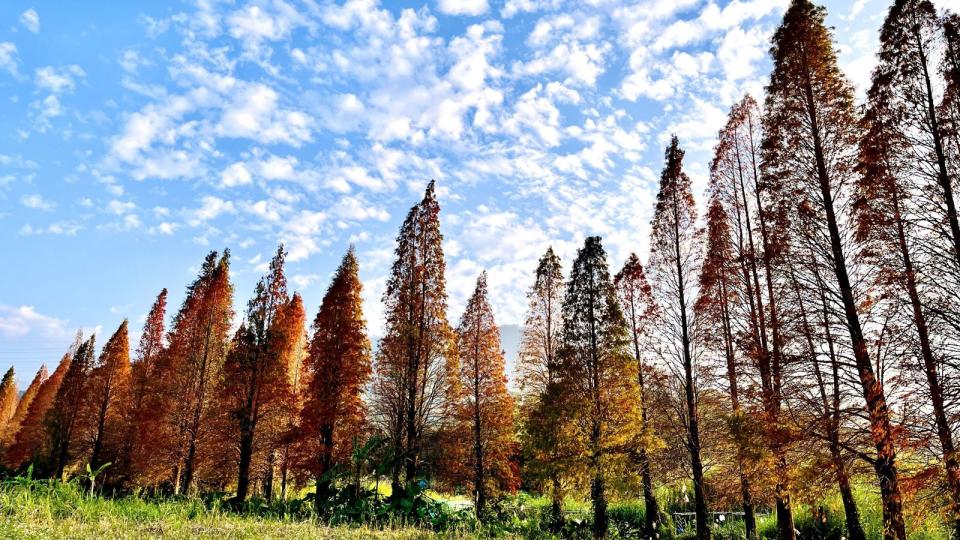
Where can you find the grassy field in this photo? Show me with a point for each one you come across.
(63, 511)
(44, 509)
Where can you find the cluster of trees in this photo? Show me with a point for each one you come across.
(801, 334)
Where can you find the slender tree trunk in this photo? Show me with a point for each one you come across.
(478, 479)
(693, 424)
(651, 508)
(749, 517)
(324, 481)
(268, 478)
(246, 457)
(187, 481)
(831, 413)
(98, 438)
(598, 497)
(943, 177)
(944, 433)
(771, 358)
(880, 428)
(851, 512)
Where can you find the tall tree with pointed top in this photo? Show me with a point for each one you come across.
(61, 418)
(292, 354)
(639, 309)
(538, 372)
(142, 420)
(8, 400)
(673, 266)
(903, 155)
(106, 404)
(9, 434)
(190, 369)
(597, 373)
(416, 360)
(30, 439)
(749, 276)
(485, 408)
(809, 154)
(254, 378)
(338, 364)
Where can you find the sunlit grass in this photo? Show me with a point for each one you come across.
(44, 509)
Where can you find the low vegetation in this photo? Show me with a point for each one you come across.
(31, 508)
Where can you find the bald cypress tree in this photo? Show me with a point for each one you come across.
(106, 402)
(9, 434)
(747, 273)
(597, 373)
(189, 372)
(145, 392)
(715, 309)
(640, 312)
(254, 379)
(416, 359)
(903, 155)
(8, 400)
(673, 265)
(61, 418)
(538, 373)
(809, 154)
(485, 408)
(29, 442)
(338, 364)
(292, 340)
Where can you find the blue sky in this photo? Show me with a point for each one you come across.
(137, 136)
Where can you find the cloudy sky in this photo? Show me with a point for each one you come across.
(137, 136)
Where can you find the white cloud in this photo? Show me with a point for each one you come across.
(302, 281)
(37, 202)
(21, 321)
(66, 228)
(357, 209)
(30, 20)
(58, 80)
(165, 228)
(235, 175)
(8, 58)
(210, 208)
(120, 207)
(463, 7)
(301, 234)
(253, 113)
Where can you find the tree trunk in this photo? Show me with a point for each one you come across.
(880, 428)
(944, 433)
(246, 457)
(601, 522)
(324, 481)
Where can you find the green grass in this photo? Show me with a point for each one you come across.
(46, 509)
(56, 510)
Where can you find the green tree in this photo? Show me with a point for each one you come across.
(597, 373)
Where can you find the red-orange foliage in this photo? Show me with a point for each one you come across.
(416, 360)
(106, 406)
(8, 435)
(30, 440)
(254, 379)
(484, 429)
(61, 419)
(291, 354)
(143, 385)
(339, 368)
(188, 373)
(8, 400)
(639, 311)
